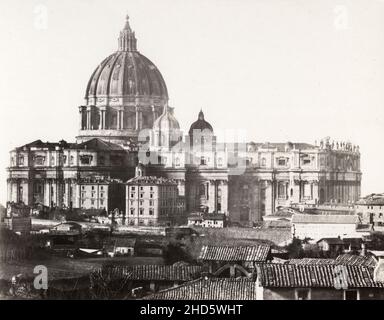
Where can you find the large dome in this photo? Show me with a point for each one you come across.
(127, 73)
(125, 94)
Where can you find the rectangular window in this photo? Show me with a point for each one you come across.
(141, 211)
(132, 211)
(86, 159)
(281, 161)
(308, 190)
(20, 160)
(151, 212)
(39, 160)
(151, 202)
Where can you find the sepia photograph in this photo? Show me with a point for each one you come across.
(211, 151)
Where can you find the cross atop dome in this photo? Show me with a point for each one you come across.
(127, 26)
(127, 39)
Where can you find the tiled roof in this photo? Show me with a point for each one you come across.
(47, 145)
(93, 144)
(235, 253)
(151, 180)
(332, 240)
(312, 261)
(100, 145)
(207, 216)
(123, 242)
(355, 260)
(312, 276)
(210, 289)
(372, 199)
(277, 224)
(322, 218)
(159, 272)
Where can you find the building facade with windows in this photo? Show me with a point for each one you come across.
(126, 119)
(371, 209)
(152, 201)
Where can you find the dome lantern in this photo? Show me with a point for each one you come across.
(127, 39)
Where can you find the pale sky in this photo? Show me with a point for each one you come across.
(283, 70)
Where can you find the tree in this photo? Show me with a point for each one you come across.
(295, 249)
(377, 241)
(175, 252)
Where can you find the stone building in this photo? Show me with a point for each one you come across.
(371, 209)
(152, 201)
(126, 119)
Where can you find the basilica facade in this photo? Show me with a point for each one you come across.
(126, 121)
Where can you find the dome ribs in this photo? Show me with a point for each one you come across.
(94, 81)
(111, 72)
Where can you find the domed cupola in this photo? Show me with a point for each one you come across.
(200, 124)
(166, 129)
(125, 94)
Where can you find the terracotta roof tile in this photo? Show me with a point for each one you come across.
(355, 260)
(210, 289)
(157, 272)
(323, 276)
(235, 253)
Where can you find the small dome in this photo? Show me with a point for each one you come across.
(166, 130)
(200, 124)
(166, 122)
(127, 73)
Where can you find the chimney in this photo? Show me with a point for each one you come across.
(363, 250)
(378, 273)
